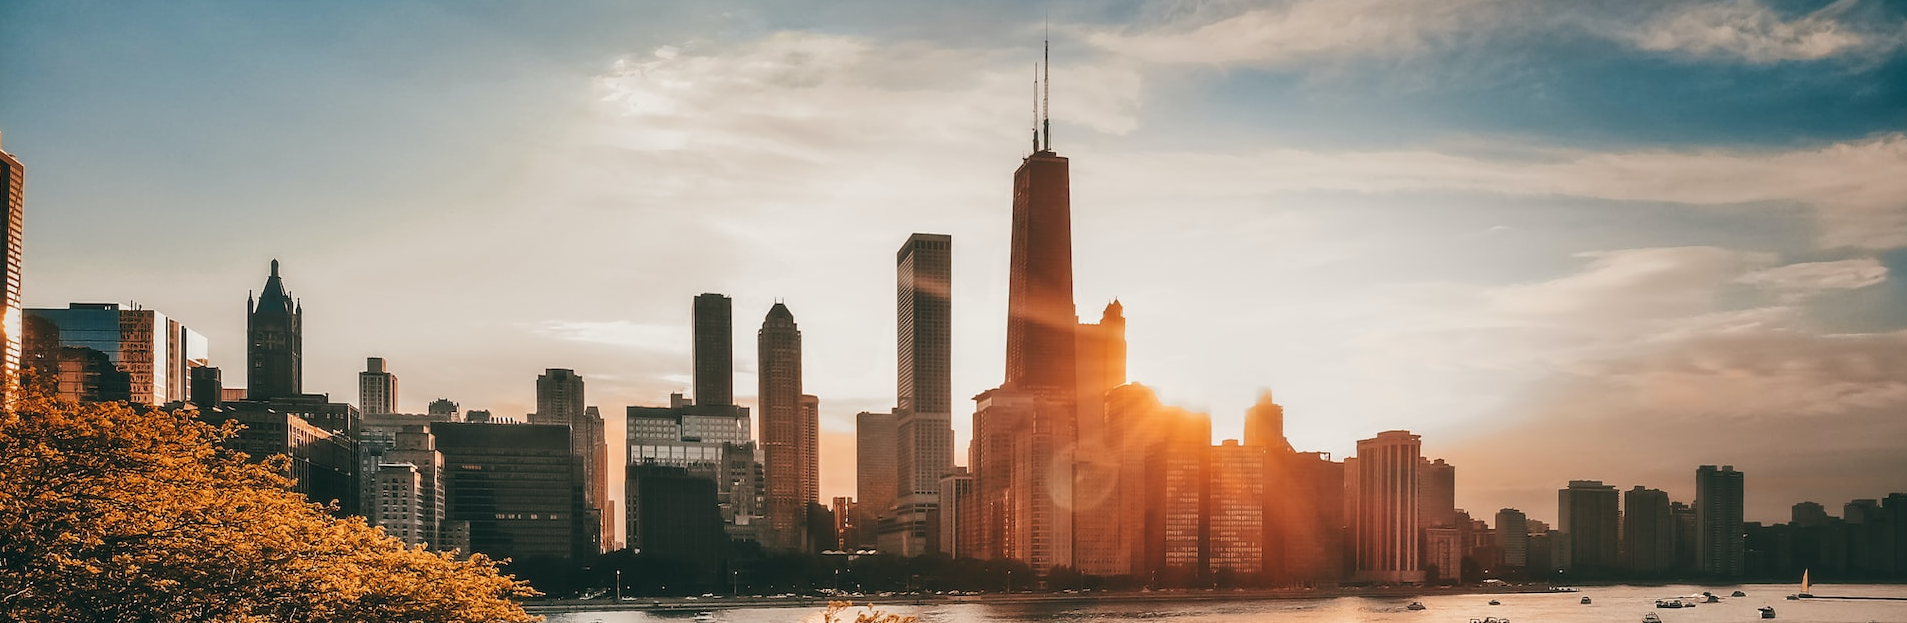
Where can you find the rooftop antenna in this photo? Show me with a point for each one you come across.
(1046, 106)
(1036, 108)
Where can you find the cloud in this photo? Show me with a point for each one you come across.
(1795, 282)
(1754, 32)
(1853, 187)
(650, 337)
(1306, 31)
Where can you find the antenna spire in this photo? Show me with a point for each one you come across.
(1046, 106)
(1036, 108)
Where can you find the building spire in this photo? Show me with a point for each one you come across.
(1046, 86)
(274, 267)
(1036, 108)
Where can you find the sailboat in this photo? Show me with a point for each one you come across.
(1804, 586)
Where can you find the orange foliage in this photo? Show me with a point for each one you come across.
(111, 512)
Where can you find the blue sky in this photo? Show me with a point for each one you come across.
(1561, 240)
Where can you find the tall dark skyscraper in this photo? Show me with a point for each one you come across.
(559, 397)
(560, 401)
(1719, 546)
(1648, 532)
(1588, 517)
(12, 178)
(275, 342)
(790, 460)
(1040, 313)
(714, 350)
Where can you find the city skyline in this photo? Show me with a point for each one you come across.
(1651, 273)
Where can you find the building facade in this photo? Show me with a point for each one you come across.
(377, 388)
(1385, 508)
(1589, 520)
(99, 352)
(517, 488)
(714, 349)
(790, 461)
(12, 192)
(1718, 516)
(1648, 532)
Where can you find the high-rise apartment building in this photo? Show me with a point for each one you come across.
(1385, 504)
(518, 488)
(98, 352)
(12, 180)
(274, 350)
(789, 457)
(377, 388)
(1589, 520)
(1437, 494)
(1513, 536)
(1718, 515)
(1648, 532)
(1235, 512)
(407, 497)
(714, 350)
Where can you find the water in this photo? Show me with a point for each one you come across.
(1612, 604)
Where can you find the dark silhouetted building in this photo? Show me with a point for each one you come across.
(1648, 532)
(673, 519)
(1385, 508)
(377, 388)
(560, 402)
(714, 328)
(318, 436)
(1809, 515)
(790, 458)
(1589, 519)
(709, 441)
(876, 470)
(518, 488)
(1513, 538)
(1718, 516)
(12, 180)
(274, 350)
(1436, 494)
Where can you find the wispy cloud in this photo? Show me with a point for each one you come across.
(1751, 31)
(1304, 31)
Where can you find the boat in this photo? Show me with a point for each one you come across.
(1585, 600)
(1804, 585)
(1488, 620)
(1494, 602)
(1415, 605)
(1710, 598)
(1767, 612)
(1738, 594)
(704, 617)
(1651, 618)
(1670, 603)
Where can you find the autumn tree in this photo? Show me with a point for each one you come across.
(111, 512)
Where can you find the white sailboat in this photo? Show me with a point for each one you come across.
(1804, 584)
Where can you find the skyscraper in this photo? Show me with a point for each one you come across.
(12, 178)
(714, 328)
(923, 309)
(1386, 508)
(1040, 346)
(1587, 515)
(99, 352)
(560, 402)
(274, 342)
(1648, 532)
(1436, 493)
(789, 460)
(1513, 536)
(377, 388)
(1718, 508)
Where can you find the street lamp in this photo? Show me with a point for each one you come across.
(618, 586)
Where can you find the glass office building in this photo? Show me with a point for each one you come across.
(98, 352)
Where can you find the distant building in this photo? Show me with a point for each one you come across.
(1101, 358)
(923, 393)
(1385, 504)
(407, 498)
(1513, 536)
(274, 350)
(517, 487)
(1235, 513)
(98, 352)
(1589, 519)
(1648, 532)
(314, 433)
(1810, 515)
(673, 520)
(876, 479)
(714, 344)
(846, 524)
(1718, 515)
(377, 435)
(446, 409)
(12, 179)
(1443, 553)
(956, 491)
(1436, 493)
(708, 441)
(790, 458)
(377, 388)
(560, 401)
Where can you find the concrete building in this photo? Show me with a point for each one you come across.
(1436, 493)
(377, 388)
(274, 353)
(790, 458)
(708, 441)
(1235, 513)
(561, 401)
(673, 520)
(100, 352)
(1513, 536)
(956, 491)
(1648, 532)
(1718, 515)
(1385, 503)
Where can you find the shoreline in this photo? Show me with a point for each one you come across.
(686, 604)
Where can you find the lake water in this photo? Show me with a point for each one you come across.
(1613, 604)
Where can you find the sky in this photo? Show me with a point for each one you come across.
(1559, 240)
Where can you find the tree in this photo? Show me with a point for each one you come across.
(116, 512)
